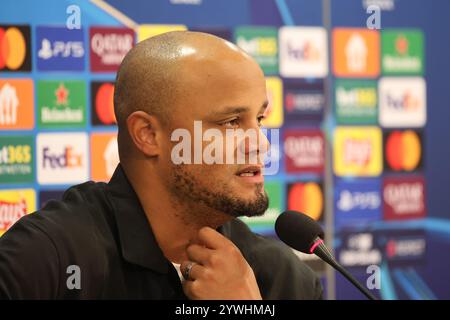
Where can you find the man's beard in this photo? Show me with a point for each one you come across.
(187, 188)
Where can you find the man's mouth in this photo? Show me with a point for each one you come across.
(251, 174)
(249, 171)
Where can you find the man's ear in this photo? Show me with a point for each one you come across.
(145, 130)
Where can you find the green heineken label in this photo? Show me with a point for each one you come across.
(16, 159)
(402, 52)
(61, 104)
(262, 44)
(265, 223)
(356, 101)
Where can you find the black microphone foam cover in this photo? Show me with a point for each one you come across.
(297, 230)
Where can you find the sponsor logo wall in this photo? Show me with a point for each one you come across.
(57, 123)
(380, 108)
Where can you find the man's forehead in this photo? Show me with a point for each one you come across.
(228, 110)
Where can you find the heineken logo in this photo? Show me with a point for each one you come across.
(61, 103)
(61, 95)
(401, 45)
(402, 51)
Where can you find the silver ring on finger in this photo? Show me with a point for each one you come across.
(187, 271)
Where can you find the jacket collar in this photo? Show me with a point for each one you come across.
(137, 240)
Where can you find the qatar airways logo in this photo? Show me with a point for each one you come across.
(307, 151)
(109, 46)
(304, 150)
(230, 146)
(404, 199)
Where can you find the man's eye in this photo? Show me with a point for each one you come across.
(231, 123)
(260, 119)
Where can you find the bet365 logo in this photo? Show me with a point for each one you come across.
(16, 159)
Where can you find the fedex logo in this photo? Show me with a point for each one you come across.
(305, 52)
(62, 158)
(402, 102)
(67, 159)
(405, 101)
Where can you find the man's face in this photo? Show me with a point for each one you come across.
(224, 96)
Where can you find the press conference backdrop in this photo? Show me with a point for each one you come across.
(362, 116)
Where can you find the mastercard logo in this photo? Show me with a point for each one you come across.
(306, 198)
(403, 150)
(103, 103)
(14, 48)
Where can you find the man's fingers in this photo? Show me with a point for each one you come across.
(189, 288)
(191, 270)
(199, 253)
(212, 239)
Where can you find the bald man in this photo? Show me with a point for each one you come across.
(161, 229)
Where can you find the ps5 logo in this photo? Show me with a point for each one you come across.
(61, 49)
(358, 200)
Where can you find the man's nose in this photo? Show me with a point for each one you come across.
(258, 146)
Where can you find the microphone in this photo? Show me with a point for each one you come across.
(304, 234)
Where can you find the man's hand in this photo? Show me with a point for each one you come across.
(219, 270)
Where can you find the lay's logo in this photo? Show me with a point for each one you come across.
(358, 151)
(14, 204)
(15, 47)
